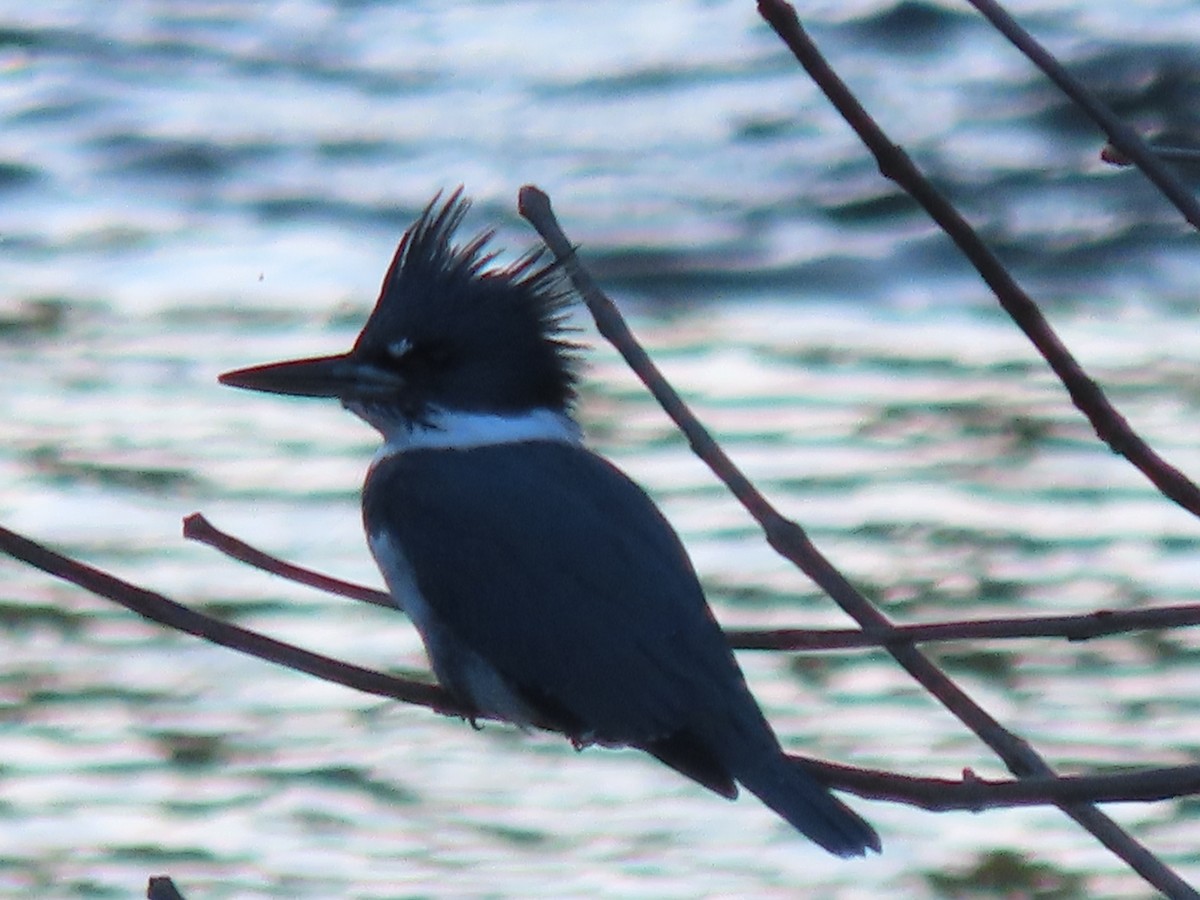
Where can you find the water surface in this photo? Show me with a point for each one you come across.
(192, 187)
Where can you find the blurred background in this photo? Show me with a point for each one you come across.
(190, 186)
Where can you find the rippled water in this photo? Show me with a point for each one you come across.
(188, 187)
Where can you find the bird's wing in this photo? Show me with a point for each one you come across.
(560, 572)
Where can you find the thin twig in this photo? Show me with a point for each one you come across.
(1188, 155)
(199, 529)
(1120, 135)
(1081, 627)
(789, 540)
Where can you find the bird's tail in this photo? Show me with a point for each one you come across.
(807, 805)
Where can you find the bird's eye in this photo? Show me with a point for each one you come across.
(413, 356)
(397, 350)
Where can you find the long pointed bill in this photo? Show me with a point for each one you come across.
(322, 376)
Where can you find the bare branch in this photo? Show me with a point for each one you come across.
(789, 540)
(1114, 157)
(894, 163)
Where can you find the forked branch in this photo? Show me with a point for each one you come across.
(937, 794)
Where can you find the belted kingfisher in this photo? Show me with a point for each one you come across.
(546, 585)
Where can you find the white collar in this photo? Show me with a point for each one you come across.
(452, 429)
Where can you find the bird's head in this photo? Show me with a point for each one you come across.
(449, 333)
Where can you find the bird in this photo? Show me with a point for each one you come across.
(547, 587)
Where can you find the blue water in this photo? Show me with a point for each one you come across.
(188, 187)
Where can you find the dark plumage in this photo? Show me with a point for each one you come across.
(607, 659)
(464, 322)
